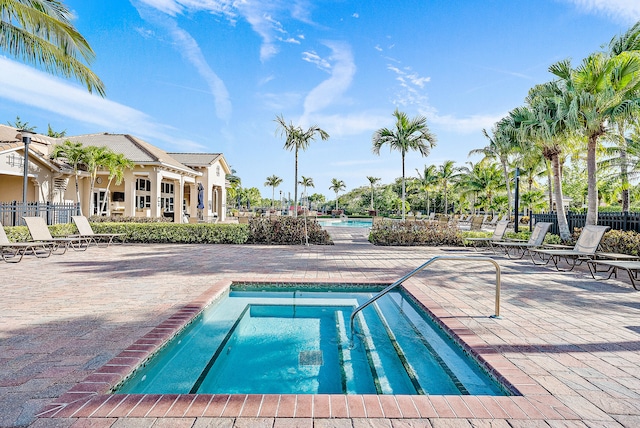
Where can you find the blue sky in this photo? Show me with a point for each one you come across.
(211, 75)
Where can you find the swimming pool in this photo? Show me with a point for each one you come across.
(297, 341)
(345, 223)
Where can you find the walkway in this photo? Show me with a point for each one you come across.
(576, 340)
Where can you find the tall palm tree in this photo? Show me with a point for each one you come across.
(337, 186)
(297, 139)
(427, 179)
(273, 181)
(501, 146)
(116, 164)
(447, 173)
(372, 182)
(40, 32)
(94, 158)
(408, 134)
(306, 182)
(73, 154)
(544, 122)
(602, 90)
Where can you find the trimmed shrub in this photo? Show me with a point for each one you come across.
(286, 231)
(122, 219)
(619, 241)
(413, 233)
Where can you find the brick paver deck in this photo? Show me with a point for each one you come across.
(72, 325)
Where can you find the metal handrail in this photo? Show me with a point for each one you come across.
(421, 267)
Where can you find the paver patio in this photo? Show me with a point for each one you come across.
(572, 342)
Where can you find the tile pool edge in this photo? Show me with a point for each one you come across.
(92, 397)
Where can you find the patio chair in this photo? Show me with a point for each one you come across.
(498, 234)
(521, 248)
(493, 222)
(584, 250)
(631, 266)
(12, 252)
(40, 233)
(86, 231)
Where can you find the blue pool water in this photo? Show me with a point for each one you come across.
(345, 223)
(299, 342)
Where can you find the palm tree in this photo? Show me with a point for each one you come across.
(447, 173)
(409, 134)
(337, 186)
(55, 134)
(73, 154)
(306, 182)
(372, 182)
(116, 164)
(273, 181)
(544, 123)
(601, 91)
(40, 32)
(94, 158)
(427, 179)
(19, 124)
(501, 146)
(297, 139)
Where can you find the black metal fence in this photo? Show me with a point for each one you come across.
(616, 221)
(11, 213)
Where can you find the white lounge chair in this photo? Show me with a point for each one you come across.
(40, 233)
(584, 249)
(86, 231)
(12, 252)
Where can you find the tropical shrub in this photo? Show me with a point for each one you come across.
(409, 233)
(624, 242)
(286, 231)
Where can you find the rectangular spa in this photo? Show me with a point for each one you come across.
(294, 340)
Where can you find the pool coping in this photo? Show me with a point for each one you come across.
(91, 398)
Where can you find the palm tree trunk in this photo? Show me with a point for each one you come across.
(592, 189)
(624, 177)
(507, 182)
(403, 192)
(563, 225)
(78, 193)
(107, 194)
(295, 188)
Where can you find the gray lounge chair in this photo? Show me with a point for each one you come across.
(86, 231)
(631, 266)
(12, 252)
(519, 249)
(584, 250)
(40, 233)
(498, 234)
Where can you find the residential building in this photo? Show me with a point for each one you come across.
(160, 184)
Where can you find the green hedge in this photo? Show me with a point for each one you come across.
(200, 233)
(260, 230)
(411, 233)
(286, 231)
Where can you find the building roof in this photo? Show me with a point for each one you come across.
(135, 149)
(196, 159)
(10, 140)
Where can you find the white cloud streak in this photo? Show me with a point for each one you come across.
(627, 11)
(261, 15)
(189, 49)
(26, 85)
(342, 71)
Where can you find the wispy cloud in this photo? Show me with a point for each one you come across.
(25, 85)
(342, 125)
(627, 11)
(464, 125)
(314, 58)
(411, 86)
(261, 15)
(343, 69)
(189, 49)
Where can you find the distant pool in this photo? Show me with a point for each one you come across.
(346, 223)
